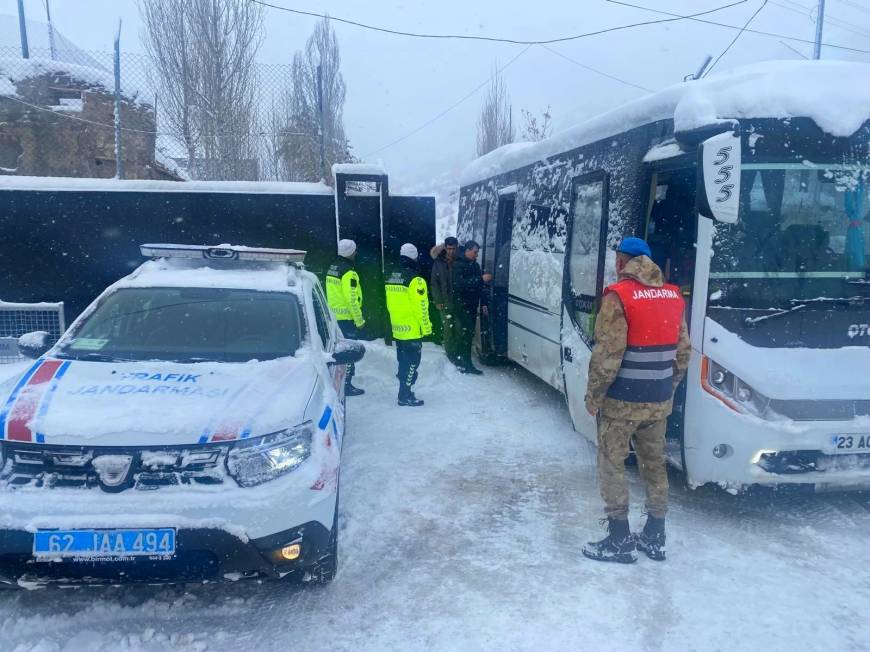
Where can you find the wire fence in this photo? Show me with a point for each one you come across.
(227, 144)
(16, 319)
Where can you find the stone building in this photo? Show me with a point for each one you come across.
(57, 119)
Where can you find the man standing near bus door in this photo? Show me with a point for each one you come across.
(345, 299)
(443, 257)
(468, 282)
(641, 354)
(408, 305)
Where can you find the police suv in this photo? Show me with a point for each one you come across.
(187, 426)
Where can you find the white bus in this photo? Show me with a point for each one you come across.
(751, 189)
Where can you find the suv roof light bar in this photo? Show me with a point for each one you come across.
(222, 252)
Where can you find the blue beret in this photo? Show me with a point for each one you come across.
(634, 247)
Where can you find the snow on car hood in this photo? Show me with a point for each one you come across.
(154, 403)
(791, 373)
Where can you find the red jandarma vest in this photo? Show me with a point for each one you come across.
(654, 316)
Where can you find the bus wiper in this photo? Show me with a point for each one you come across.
(752, 322)
(843, 301)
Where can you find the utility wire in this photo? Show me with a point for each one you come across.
(492, 39)
(857, 6)
(596, 71)
(795, 50)
(68, 116)
(449, 108)
(734, 40)
(747, 30)
(833, 21)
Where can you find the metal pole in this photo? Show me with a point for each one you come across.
(820, 23)
(22, 27)
(119, 160)
(51, 44)
(322, 122)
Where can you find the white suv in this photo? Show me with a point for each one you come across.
(187, 426)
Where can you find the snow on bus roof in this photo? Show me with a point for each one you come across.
(138, 185)
(172, 272)
(834, 94)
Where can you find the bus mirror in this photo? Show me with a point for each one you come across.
(719, 177)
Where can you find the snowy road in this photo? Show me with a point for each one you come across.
(461, 529)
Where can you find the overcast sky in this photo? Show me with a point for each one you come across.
(396, 84)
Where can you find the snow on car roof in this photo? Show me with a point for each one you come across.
(834, 94)
(164, 272)
(139, 185)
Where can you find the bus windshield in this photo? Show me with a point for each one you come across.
(803, 235)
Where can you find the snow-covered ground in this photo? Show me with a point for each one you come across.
(461, 529)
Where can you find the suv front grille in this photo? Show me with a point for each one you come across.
(73, 466)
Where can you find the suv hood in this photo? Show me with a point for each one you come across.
(76, 402)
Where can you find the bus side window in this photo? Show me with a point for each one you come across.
(481, 211)
(588, 212)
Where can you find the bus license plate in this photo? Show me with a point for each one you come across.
(851, 443)
(108, 545)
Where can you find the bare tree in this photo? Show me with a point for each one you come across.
(534, 130)
(320, 58)
(203, 52)
(494, 124)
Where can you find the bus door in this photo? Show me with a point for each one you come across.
(585, 263)
(671, 231)
(496, 261)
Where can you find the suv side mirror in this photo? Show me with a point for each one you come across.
(348, 352)
(35, 344)
(719, 161)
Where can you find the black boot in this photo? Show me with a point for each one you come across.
(617, 546)
(651, 540)
(471, 369)
(350, 390)
(407, 398)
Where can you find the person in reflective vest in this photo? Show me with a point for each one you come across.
(345, 298)
(641, 354)
(408, 305)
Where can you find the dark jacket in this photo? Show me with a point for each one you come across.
(467, 279)
(440, 283)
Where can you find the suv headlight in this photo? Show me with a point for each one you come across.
(255, 461)
(732, 391)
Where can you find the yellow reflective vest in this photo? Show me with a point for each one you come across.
(408, 304)
(344, 292)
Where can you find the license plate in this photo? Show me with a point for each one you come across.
(110, 545)
(851, 443)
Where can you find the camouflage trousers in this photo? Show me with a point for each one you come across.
(649, 446)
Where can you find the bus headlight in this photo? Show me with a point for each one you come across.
(255, 461)
(731, 390)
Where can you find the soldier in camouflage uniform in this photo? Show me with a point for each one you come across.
(641, 354)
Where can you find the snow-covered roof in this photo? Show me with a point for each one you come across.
(358, 168)
(834, 94)
(16, 69)
(167, 272)
(114, 185)
(168, 163)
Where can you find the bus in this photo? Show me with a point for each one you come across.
(751, 189)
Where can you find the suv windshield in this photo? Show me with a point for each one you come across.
(803, 234)
(189, 324)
